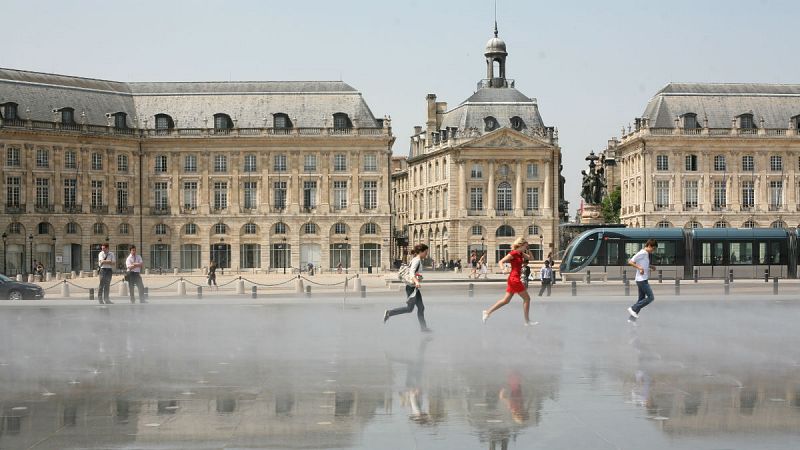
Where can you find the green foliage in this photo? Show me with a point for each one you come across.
(611, 206)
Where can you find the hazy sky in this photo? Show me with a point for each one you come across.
(592, 65)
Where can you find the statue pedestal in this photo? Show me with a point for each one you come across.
(591, 215)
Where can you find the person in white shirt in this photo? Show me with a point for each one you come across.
(105, 261)
(641, 261)
(413, 294)
(547, 278)
(134, 264)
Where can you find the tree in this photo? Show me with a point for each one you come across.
(611, 206)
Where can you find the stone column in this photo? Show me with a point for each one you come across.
(490, 191)
(548, 188)
(518, 192)
(648, 187)
(462, 189)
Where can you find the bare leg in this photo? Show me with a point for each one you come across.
(526, 305)
(500, 303)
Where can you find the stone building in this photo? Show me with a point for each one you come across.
(712, 155)
(481, 174)
(264, 174)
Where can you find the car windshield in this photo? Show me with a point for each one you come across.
(4, 278)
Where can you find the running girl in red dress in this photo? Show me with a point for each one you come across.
(515, 285)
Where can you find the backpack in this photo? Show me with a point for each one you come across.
(404, 274)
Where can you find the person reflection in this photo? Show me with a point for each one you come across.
(412, 396)
(513, 397)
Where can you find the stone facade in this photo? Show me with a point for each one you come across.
(482, 174)
(297, 174)
(712, 155)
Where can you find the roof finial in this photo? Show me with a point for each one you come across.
(495, 18)
(495, 28)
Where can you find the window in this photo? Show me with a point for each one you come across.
(220, 163)
(280, 228)
(43, 228)
(280, 194)
(662, 162)
(476, 230)
(97, 161)
(719, 163)
(124, 229)
(776, 163)
(42, 158)
(98, 228)
(370, 228)
(720, 195)
(476, 198)
(310, 228)
(249, 256)
(220, 195)
(190, 256)
(532, 198)
(222, 122)
(775, 195)
(339, 163)
(310, 163)
(691, 163)
(42, 192)
(533, 230)
(720, 224)
(160, 229)
(746, 122)
(662, 194)
(339, 195)
(190, 163)
(690, 193)
(490, 123)
(370, 194)
(15, 228)
(341, 121)
(250, 195)
(663, 224)
(339, 228)
(122, 194)
(220, 228)
(504, 231)
(70, 192)
(517, 123)
(160, 196)
(190, 195)
(777, 224)
(309, 195)
(740, 253)
(279, 163)
(750, 224)
(690, 121)
(122, 163)
(371, 163)
(748, 194)
(12, 157)
(190, 229)
(693, 224)
(250, 228)
(72, 228)
(71, 160)
(67, 116)
(120, 120)
(250, 163)
(281, 121)
(161, 164)
(504, 197)
(747, 163)
(97, 193)
(9, 111)
(164, 123)
(533, 171)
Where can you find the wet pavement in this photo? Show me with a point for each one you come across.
(703, 374)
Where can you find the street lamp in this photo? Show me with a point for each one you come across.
(54, 254)
(347, 249)
(30, 247)
(541, 244)
(5, 247)
(283, 248)
(483, 239)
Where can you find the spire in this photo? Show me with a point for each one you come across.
(495, 27)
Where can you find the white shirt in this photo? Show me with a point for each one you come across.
(642, 259)
(131, 261)
(102, 256)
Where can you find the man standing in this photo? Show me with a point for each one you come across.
(134, 264)
(641, 261)
(106, 261)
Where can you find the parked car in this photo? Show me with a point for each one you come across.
(16, 290)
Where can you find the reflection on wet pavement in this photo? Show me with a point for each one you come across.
(690, 375)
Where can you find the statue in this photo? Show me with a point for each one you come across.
(593, 186)
(586, 187)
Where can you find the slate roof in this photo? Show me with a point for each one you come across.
(308, 103)
(500, 103)
(776, 103)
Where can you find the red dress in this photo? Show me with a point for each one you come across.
(515, 285)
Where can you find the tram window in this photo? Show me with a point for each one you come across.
(612, 253)
(705, 253)
(583, 251)
(632, 248)
(664, 254)
(762, 253)
(740, 253)
(774, 252)
(718, 253)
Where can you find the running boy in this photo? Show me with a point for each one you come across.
(641, 261)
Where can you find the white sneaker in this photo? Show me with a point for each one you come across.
(632, 313)
(485, 316)
(530, 324)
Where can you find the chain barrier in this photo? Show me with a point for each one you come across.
(162, 287)
(77, 286)
(53, 286)
(322, 284)
(267, 284)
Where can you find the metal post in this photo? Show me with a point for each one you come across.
(363, 291)
(766, 275)
(677, 286)
(146, 293)
(624, 276)
(775, 286)
(727, 286)
(254, 292)
(627, 288)
(308, 290)
(199, 291)
(574, 288)
(696, 274)
(588, 277)
(730, 275)
(471, 290)
(91, 293)
(660, 276)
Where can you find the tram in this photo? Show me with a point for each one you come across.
(712, 252)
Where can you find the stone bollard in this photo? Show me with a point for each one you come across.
(65, 290)
(240, 286)
(588, 277)
(58, 276)
(91, 293)
(574, 288)
(727, 289)
(627, 288)
(357, 284)
(775, 286)
(677, 286)
(363, 292)
(660, 276)
(123, 289)
(199, 291)
(147, 271)
(175, 271)
(298, 286)
(730, 275)
(308, 291)
(471, 290)
(19, 277)
(254, 292)
(48, 276)
(31, 279)
(181, 288)
(696, 275)
(74, 274)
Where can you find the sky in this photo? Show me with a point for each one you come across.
(592, 65)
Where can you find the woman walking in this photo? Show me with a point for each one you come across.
(515, 285)
(413, 294)
(212, 274)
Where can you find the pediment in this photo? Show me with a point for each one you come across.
(506, 138)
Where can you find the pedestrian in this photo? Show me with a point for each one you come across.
(552, 269)
(458, 265)
(483, 268)
(525, 273)
(339, 267)
(514, 284)
(413, 293)
(134, 265)
(212, 273)
(39, 271)
(106, 260)
(473, 263)
(546, 276)
(641, 261)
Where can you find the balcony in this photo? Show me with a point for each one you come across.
(692, 207)
(722, 208)
(42, 208)
(189, 209)
(124, 209)
(533, 212)
(476, 212)
(159, 210)
(664, 207)
(73, 209)
(278, 208)
(98, 209)
(15, 209)
(219, 210)
(248, 210)
(776, 207)
(503, 212)
(308, 209)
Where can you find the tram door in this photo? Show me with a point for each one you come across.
(709, 259)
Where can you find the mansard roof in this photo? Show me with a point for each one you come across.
(721, 103)
(500, 103)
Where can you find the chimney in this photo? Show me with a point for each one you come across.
(430, 125)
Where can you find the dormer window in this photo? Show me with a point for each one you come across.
(517, 123)
(490, 123)
(222, 122)
(746, 122)
(9, 111)
(120, 120)
(341, 122)
(67, 116)
(690, 121)
(796, 122)
(281, 121)
(164, 123)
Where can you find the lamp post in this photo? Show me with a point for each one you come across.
(541, 244)
(483, 239)
(220, 250)
(283, 248)
(5, 247)
(30, 247)
(347, 248)
(54, 255)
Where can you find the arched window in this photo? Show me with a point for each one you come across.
(664, 224)
(164, 123)
(280, 228)
(124, 229)
(220, 228)
(67, 116)
(504, 231)
(190, 229)
(161, 229)
(370, 228)
(72, 228)
(477, 230)
(341, 122)
(281, 121)
(778, 224)
(15, 228)
(517, 123)
(533, 230)
(310, 228)
(750, 224)
(693, 224)
(746, 122)
(339, 228)
(250, 228)
(222, 122)
(98, 228)
(490, 123)
(720, 224)
(504, 197)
